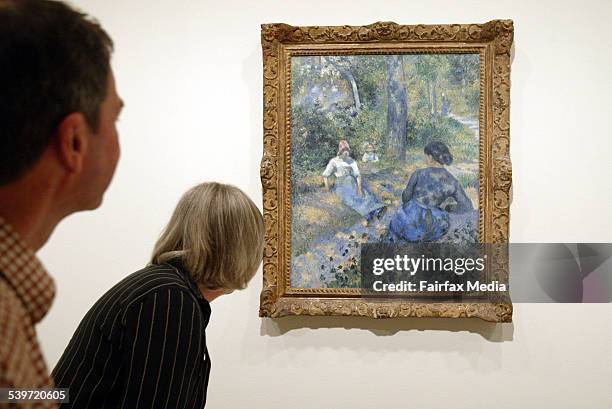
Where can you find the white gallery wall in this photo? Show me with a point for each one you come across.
(190, 74)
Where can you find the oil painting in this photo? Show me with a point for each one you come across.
(384, 148)
(388, 134)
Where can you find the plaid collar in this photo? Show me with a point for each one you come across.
(24, 273)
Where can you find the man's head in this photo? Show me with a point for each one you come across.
(58, 103)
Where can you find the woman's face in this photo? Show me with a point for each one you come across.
(210, 295)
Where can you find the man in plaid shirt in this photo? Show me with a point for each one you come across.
(59, 144)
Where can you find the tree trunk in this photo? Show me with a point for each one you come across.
(397, 108)
(429, 104)
(434, 98)
(351, 79)
(348, 76)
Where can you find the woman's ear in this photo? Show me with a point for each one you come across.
(71, 141)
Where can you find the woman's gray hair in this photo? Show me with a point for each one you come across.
(217, 233)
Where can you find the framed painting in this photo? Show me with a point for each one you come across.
(383, 133)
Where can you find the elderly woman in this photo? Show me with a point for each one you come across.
(350, 186)
(143, 344)
(426, 199)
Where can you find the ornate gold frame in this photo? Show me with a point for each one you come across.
(493, 40)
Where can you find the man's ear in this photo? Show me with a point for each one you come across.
(71, 141)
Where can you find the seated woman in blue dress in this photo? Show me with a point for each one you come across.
(423, 216)
(350, 186)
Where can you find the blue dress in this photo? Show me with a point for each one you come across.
(428, 197)
(366, 205)
(346, 173)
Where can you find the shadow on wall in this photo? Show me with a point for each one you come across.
(493, 332)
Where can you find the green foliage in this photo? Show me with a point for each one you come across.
(369, 126)
(463, 79)
(346, 274)
(430, 67)
(468, 179)
(423, 129)
(319, 124)
(455, 75)
(464, 69)
(467, 233)
(371, 76)
(347, 277)
(315, 136)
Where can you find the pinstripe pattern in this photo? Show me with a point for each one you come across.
(142, 345)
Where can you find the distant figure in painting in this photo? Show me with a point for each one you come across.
(424, 216)
(444, 105)
(350, 186)
(370, 154)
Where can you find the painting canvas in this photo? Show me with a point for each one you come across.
(379, 134)
(384, 148)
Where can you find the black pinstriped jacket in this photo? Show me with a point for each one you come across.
(142, 345)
